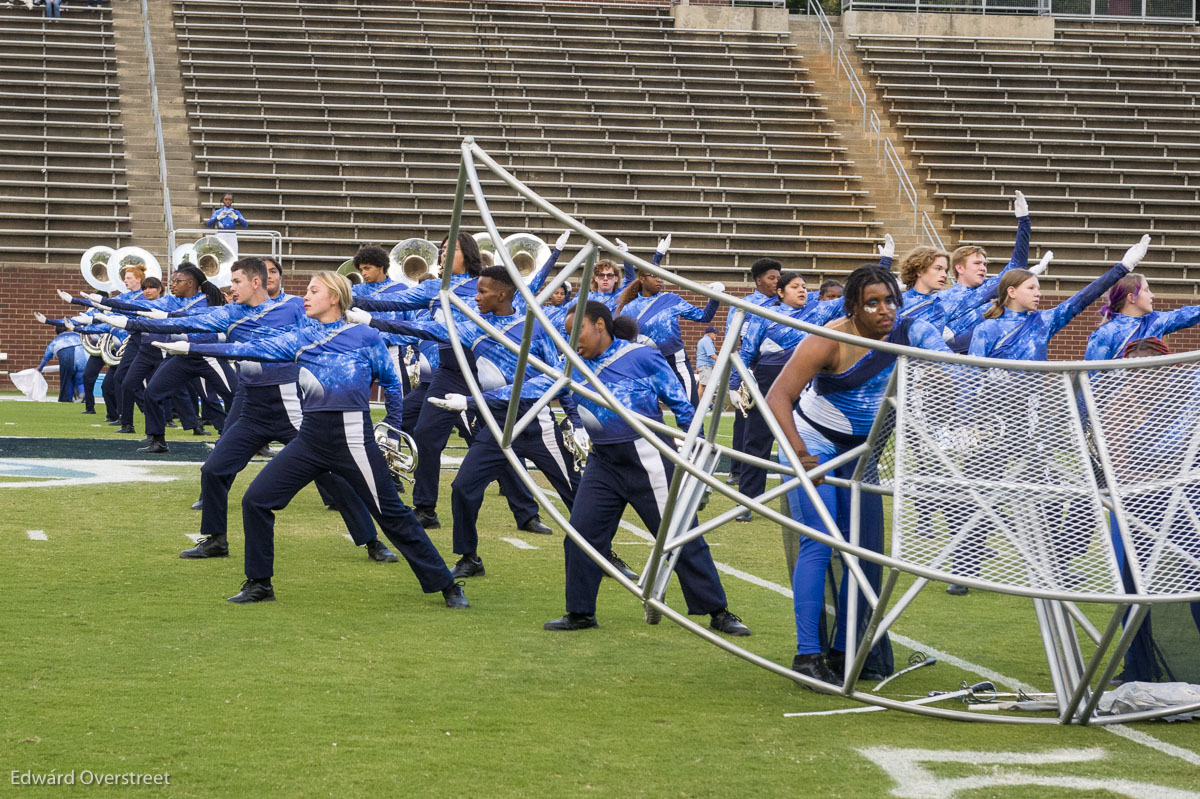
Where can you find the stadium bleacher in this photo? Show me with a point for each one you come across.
(62, 181)
(347, 128)
(1096, 126)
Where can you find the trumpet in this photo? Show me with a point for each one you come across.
(399, 451)
(747, 399)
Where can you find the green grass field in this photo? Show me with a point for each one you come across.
(116, 656)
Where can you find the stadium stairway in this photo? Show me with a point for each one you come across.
(346, 129)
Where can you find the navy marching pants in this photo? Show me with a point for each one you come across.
(133, 385)
(91, 371)
(265, 414)
(739, 444)
(681, 365)
(431, 433)
(342, 443)
(757, 439)
(112, 399)
(117, 376)
(172, 377)
(631, 473)
(66, 374)
(540, 442)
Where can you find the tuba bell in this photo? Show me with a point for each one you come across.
(399, 451)
(412, 258)
(528, 253)
(127, 257)
(94, 266)
(184, 252)
(487, 248)
(350, 272)
(215, 259)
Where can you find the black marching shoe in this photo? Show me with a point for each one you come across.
(378, 551)
(572, 621)
(213, 546)
(744, 516)
(837, 664)
(126, 428)
(198, 504)
(956, 590)
(816, 667)
(621, 565)
(265, 452)
(157, 445)
(200, 431)
(89, 411)
(725, 622)
(535, 526)
(427, 518)
(254, 591)
(455, 598)
(113, 422)
(467, 566)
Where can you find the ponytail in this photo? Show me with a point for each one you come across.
(627, 295)
(213, 294)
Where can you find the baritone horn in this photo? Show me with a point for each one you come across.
(112, 348)
(215, 259)
(399, 450)
(350, 272)
(91, 343)
(412, 258)
(94, 266)
(128, 257)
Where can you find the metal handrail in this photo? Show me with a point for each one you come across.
(275, 237)
(168, 220)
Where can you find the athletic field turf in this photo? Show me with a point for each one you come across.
(118, 657)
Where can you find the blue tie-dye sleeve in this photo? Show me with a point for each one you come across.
(1066, 311)
(427, 330)
(276, 349)
(666, 385)
(685, 310)
(419, 296)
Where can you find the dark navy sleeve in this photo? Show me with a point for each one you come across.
(214, 320)
(415, 298)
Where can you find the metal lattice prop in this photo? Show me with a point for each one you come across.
(1002, 476)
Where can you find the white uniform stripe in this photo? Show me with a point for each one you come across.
(656, 473)
(291, 403)
(685, 374)
(546, 422)
(355, 433)
(216, 367)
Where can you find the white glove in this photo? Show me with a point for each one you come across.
(1020, 207)
(153, 313)
(116, 320)
(357, 316)
(1041, 265)
(735, 398)
(82, 319)
(663, 245)
(92, 297)
(1135, 254)
(582, 439)
(888, 248)
(562, 240)
(173, 347)
(64, 296)
(41, 317)
(451, 402)
(717, 287)
(622, 246)
(69, 325)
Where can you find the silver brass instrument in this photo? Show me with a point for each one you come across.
(112, 348)
(399, 450)
(487, 248)
(580, 454)
(215, 259)
(747, 399)
(91, 343)
(412, 258)
(348, 271)
(528, 253)
(184, 252)
(94, 266)
(126, 257)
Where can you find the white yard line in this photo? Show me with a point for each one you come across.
(1120, 730)
(37, 535)
(193, 537)
(518, 543)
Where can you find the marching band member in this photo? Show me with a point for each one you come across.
(826, 399)
(923, 270)
(624, 469)
(265, 408)
(68, 348)
(605, 286)
(1129, 316)
(90, 367)
(338, 361)
(1013, 328)
(765, 274)
(657, 314)
(432, 429)
(496, 367)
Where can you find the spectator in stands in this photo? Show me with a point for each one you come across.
(830, 290)
(706, 356)
(53, 9)
(226, 217)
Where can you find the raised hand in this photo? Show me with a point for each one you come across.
(664, 244)
(562, 240)
(888, 248)
(1041, 265)
(1020, 207)
(1134, 255)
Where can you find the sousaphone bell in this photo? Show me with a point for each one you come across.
(215, 259)
(350, 272)
(412, 258)
(127, 257)
(94, 266)
(528, 253)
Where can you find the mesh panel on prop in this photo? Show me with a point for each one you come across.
(993, 480)
(881, 464)
(1150, 423)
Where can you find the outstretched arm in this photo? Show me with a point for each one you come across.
(1066, 311)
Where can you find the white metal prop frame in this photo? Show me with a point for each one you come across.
(1020, 453)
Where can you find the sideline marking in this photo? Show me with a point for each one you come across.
(193, 537)
(37, 535)
(518, 543)
(914, 781)
(1120, 730)
(348, 537)
(58, 473)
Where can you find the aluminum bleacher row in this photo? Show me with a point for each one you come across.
(1098, 127)
(341, 124)
(62, 182)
